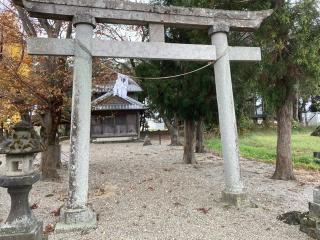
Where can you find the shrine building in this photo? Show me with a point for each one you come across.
(116, 111)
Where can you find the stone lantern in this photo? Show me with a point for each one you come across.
(20, 149)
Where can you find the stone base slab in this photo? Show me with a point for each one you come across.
(310, 226)
(235, 199)
(35, 234)
(76, 220)
(65, 228)
(314, 210)
(316, 195)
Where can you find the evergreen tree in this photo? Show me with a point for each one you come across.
(291, 45)
(190, 98)
(290, 41)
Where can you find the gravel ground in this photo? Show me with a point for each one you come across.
(147, 193)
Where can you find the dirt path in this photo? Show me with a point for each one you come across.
(147, 193)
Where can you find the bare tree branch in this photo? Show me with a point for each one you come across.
(69, 30)
(27, 25)
(46, 26)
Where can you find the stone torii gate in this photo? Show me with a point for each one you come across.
(84, 14)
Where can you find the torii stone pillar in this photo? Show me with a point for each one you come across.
(76, 214)
(234, 192)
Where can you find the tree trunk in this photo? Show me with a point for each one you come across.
(316, 133)
(267, 120)
(296, 106)
(279, 3)
(50, 157)
(199, 137)
(174, 131)
(1, 134)
(300, 112)
(188, 154)
(67, 130)
(284, 165)
(49, 162)
(57, 152)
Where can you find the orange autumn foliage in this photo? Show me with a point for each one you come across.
(25, 80)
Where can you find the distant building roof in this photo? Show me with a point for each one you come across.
(116, 96)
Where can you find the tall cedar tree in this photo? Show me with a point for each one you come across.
(291, 45)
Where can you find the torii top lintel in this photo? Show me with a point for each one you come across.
(123, 12)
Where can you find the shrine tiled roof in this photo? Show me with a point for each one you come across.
(132, 87)
(109, 101)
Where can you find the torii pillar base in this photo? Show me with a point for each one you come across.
(76, 220)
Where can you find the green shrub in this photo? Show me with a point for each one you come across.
(245, 124)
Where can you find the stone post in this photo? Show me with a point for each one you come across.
(20, 149)
(156, 32)
(77, 215)
(310, 223)
(147, 140)
(234, 192)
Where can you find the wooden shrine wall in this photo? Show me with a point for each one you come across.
(108, 124)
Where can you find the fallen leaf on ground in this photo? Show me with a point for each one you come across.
(147, 180)
(106, 190)
(131, 188)
(56, 212)
(34, 206)
(84, 232)
(168, 169)
(48, 229)
(177, 204)
(100, 192)
(62, 196)
(204, 210)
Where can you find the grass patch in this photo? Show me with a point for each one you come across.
(261, 145)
